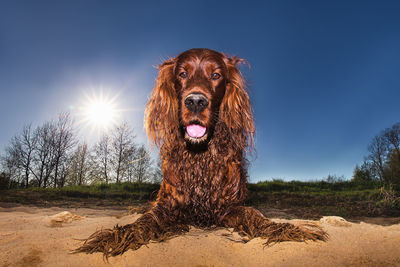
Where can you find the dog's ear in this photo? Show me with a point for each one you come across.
(161, 114)
(235, 109)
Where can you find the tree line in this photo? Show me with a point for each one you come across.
(383, 160)
(50, 155)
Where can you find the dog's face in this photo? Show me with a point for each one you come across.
(200, 78)
(195, 91)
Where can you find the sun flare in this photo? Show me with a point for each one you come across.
(99, 111)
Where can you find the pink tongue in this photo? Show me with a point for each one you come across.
(195, 130)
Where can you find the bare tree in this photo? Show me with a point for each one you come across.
(10, 163)
(141, 165)
(83, 163)
(392, 168)
(64, 141)
(392, 135)
(20, 152)
(378, 150)
(123, 147)
(384, 155)
(392, 164)
(157, 173)
(47, 156)
(63, 170)
(101, 158)
(43, 159)
(18, 158)
(130, 172)
(40, 155)
(79, 165)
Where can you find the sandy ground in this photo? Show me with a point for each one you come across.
(31, 236)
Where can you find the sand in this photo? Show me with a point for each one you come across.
(31, 236)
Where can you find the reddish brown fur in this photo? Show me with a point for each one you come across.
(203, 184)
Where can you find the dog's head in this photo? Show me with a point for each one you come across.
(195, 91)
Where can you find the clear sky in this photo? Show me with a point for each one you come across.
(324, 76)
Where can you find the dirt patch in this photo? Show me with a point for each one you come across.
(26, 240)
(33, 258)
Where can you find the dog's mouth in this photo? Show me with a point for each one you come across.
(196, 132)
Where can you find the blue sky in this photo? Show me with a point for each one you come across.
(324, 76)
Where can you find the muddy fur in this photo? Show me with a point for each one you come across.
(204, 183)
(116, 241)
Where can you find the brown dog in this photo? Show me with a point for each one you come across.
(200, 116)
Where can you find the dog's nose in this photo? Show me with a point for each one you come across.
(196, 102)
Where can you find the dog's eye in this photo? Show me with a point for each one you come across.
(215, 76)
(183, 75)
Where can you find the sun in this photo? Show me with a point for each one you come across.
(100, 111)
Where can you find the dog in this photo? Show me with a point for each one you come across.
(200, 116)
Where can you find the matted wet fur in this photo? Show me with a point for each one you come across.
(199, 114)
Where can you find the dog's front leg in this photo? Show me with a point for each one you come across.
(150, 226)
(251, 223)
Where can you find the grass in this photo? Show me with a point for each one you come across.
(312, 187)
(137, 191)
(123, 194)
(302, 199)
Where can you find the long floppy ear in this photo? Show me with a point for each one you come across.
(161, 114)
(235, 108)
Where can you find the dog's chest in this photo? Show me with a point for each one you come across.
(208, 194)
(207, 184)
